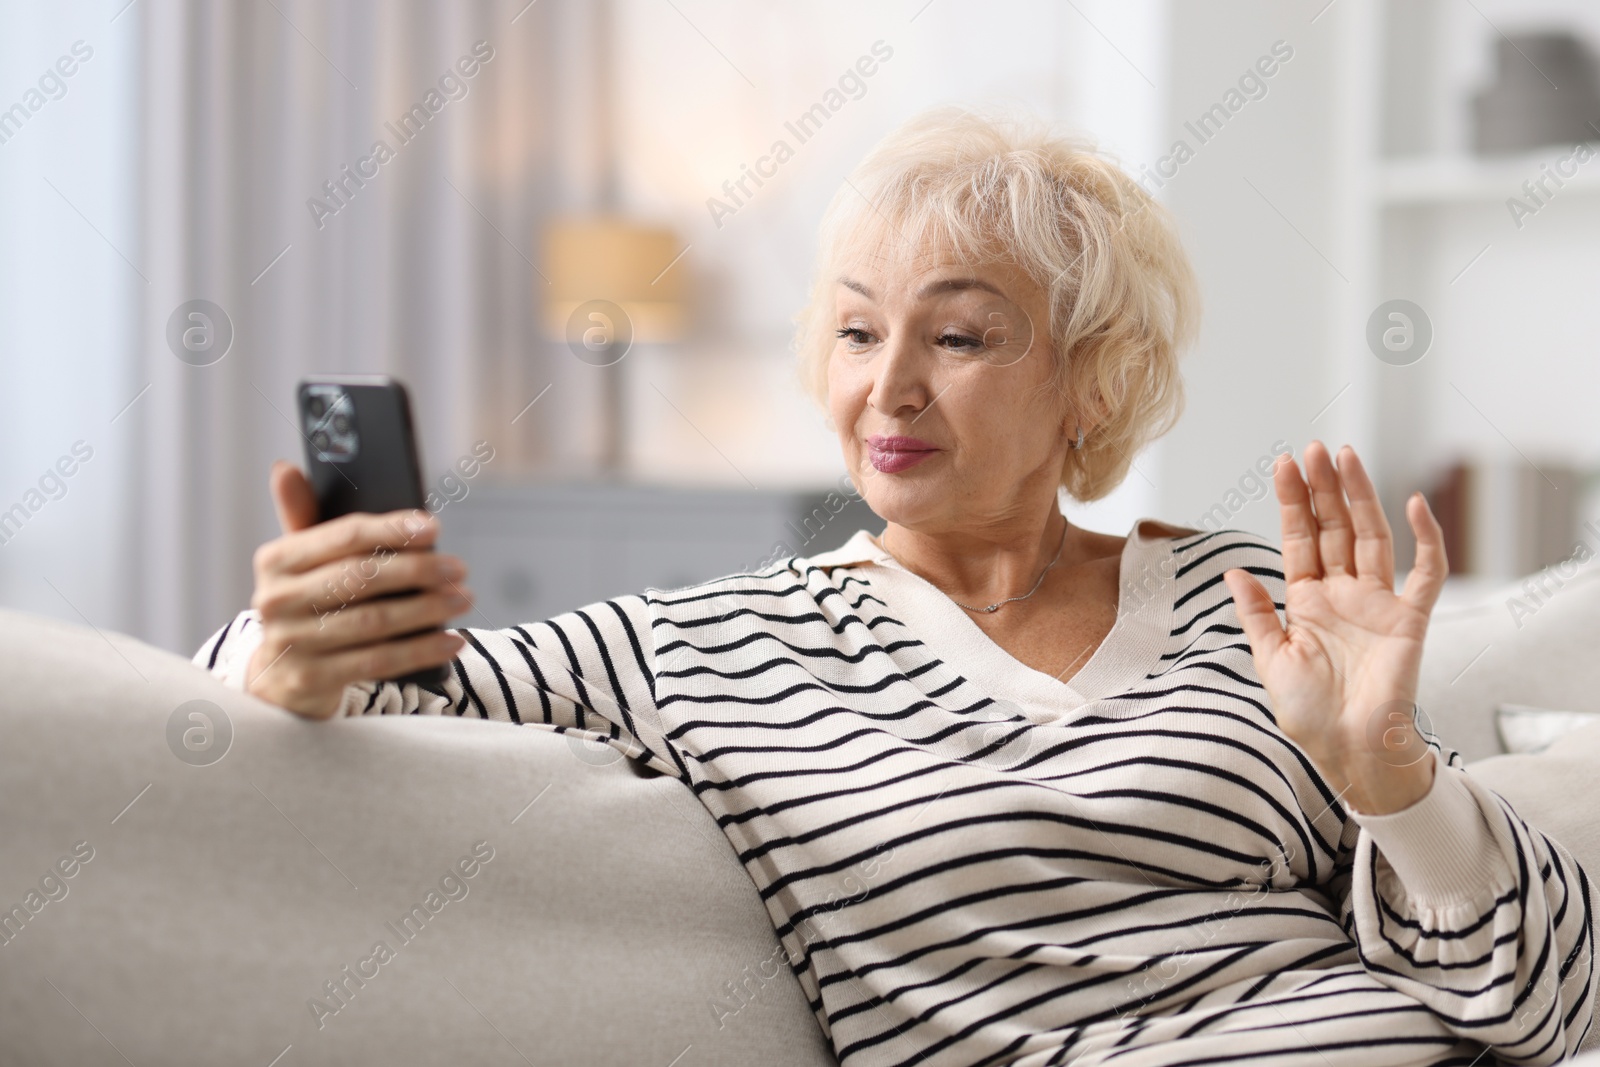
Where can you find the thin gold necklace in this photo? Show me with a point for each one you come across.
(996, 606)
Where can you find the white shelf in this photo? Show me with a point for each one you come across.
(1427, 180)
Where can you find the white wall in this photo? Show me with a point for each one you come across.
(1259, 208)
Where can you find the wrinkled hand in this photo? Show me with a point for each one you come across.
(325, 599)
(1343, 676)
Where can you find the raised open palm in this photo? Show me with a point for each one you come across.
(1343, 675)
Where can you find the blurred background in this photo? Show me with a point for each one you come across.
(580, 232)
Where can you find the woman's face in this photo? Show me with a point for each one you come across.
(935, 384)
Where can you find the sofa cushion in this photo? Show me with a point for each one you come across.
(1519, 646)
(1527, 730)
(221, 885)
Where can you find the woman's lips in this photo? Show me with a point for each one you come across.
(897, 453)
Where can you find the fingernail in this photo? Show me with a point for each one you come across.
(451, 567)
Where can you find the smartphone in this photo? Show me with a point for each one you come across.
(361, 455)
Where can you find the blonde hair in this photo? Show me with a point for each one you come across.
(1122, 295)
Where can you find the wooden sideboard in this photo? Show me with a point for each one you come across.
(537, 550)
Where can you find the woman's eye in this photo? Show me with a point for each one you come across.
(957, 342)
(857, 338)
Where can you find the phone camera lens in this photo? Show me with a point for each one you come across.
(317, 406)
(319, 441)
(341, 424)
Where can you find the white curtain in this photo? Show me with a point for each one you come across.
(428, 270)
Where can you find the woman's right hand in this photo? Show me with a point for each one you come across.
(318, 598)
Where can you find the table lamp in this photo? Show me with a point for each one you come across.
(613, 283)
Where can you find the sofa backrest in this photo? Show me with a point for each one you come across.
(530, 890)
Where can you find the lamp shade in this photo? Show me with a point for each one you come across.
(624, 262)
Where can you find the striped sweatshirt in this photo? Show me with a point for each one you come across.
(968, 861)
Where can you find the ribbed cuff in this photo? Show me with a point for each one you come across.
(353, 700)
(1440, 848)
(237, 650)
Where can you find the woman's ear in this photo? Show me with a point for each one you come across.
(1087, 412)
(1072, 417)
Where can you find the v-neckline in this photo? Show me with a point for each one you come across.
(1127, 654)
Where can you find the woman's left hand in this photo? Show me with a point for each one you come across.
(1343, 677)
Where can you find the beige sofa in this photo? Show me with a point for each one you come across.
(231, 874)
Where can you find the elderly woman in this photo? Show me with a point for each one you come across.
(1015, 791)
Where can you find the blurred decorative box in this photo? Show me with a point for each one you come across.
(1544, 93)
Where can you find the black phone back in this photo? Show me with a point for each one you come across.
(361, 455)
(361, 451)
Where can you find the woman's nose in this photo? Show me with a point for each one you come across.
(898, 377)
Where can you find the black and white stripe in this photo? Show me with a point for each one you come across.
(1158, 877)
